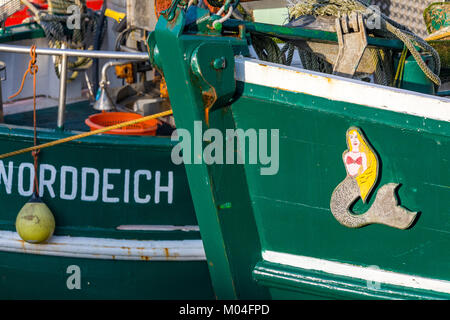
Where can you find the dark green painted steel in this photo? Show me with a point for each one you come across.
(291, 209)
(413, 77)
(21, 32)
(306, 34)
(37, 277)
(230, 256)
(289, 283)
(146, 153)
(31, 276)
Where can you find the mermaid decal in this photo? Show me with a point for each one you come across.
(362, 168)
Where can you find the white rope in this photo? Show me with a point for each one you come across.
(33, 9)
(224, 18)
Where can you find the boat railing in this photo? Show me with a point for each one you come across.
(65, 54)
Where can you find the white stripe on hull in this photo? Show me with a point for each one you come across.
(100, 248)
(341, 89)
(353, 271)
(158, 228)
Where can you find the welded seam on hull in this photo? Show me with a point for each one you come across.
(364, 273)
(341, 89)
(112, 249)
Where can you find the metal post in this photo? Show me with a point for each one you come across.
(65, 53)
(62, 92)
(142, 56)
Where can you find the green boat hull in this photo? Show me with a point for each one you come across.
(36, 277)
(292, 208)
(294, 243)
(125, 223)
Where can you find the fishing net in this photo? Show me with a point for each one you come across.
(437, 16)
(69, 24)
(80, 37)
(8, 8)
(379, 60)
(437, 21)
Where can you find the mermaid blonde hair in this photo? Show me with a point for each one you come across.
(367, 179)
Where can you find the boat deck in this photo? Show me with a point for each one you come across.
(76, 114)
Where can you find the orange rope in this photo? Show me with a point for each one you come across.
(32, 70)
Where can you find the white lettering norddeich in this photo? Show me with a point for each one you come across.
(88, 184)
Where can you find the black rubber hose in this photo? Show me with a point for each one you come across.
(215, 3)
(119, 27)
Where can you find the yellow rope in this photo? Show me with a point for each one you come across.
(87, 134)
(401, 68)
(438, 36)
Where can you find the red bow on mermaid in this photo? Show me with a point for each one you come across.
(351, 161)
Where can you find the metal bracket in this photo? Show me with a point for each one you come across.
(352, 38)
(2, 71)
(213, 64)
(170, 13)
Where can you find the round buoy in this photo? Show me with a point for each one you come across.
(35, 222)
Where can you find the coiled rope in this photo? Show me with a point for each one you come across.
(54, 23)
(389, 28)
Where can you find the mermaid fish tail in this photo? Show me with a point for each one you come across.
(385, 209)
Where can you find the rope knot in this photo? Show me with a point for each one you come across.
(32, 67)
(33, 54)
(32, 70)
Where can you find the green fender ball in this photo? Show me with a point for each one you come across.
(35, 222)
(218, 27)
